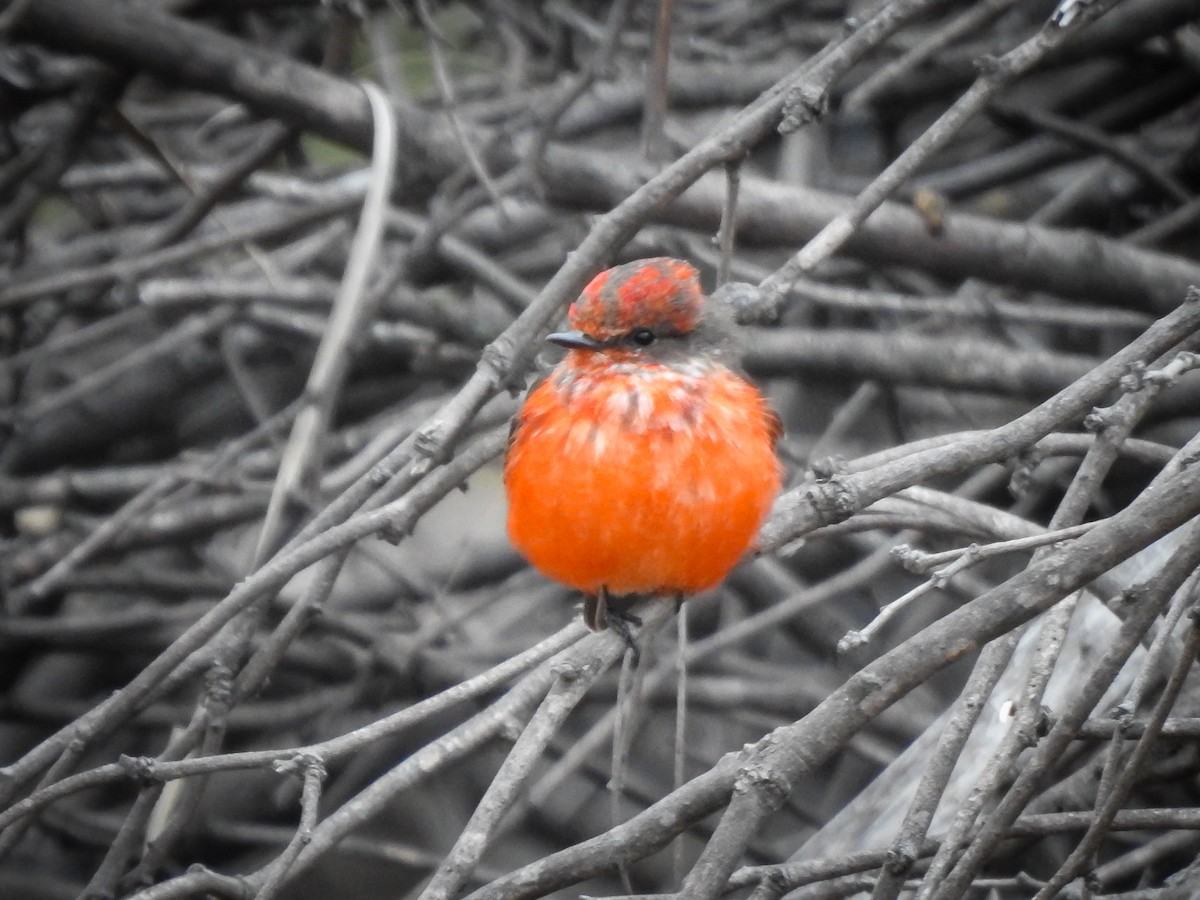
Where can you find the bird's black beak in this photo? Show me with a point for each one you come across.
(574, 340)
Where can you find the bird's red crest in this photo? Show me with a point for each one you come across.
(660, 291)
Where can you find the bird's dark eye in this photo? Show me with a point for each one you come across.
(643, 337)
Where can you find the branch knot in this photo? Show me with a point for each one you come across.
(759, 778)
(833, 501)
(805, 103)
(142, 769)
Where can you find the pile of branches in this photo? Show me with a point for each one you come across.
(275, 275)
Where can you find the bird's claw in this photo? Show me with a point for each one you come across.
(623, 624)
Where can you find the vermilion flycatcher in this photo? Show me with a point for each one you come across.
(645, 462)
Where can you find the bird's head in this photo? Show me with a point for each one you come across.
(648, 308)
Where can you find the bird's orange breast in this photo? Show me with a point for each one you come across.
(640, 478)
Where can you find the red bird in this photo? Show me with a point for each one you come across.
(645, 462)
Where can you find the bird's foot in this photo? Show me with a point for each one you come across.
(600, 613)
(623, 624)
